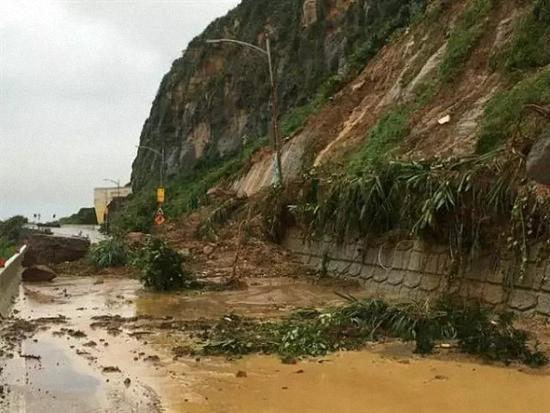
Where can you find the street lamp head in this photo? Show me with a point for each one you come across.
(117, 183)
(240, 43)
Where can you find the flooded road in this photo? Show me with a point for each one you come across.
(79, 363)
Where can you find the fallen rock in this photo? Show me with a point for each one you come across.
(538, 161)
(152, 359)
(444, 120)
(38, 273)
(46, 249)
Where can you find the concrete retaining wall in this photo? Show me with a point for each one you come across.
(412, 270)
(10, 278)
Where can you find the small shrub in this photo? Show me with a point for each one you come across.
(7, 249)
(424, 92)
(162, 267)
(108, 253)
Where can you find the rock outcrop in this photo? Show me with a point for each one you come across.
(538, 162)
(46, 249)
(216, 97)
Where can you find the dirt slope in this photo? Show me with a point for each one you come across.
(394, 78)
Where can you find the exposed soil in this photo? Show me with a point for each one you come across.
(233, 252)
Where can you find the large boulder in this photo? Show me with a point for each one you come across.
(38, 273)
(47, 249)
(538, 161)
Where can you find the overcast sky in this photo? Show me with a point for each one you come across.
(77, 79)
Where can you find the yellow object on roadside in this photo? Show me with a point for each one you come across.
(160, 195)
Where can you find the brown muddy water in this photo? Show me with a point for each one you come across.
(78, 366)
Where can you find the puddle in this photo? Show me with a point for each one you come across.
(270, 297)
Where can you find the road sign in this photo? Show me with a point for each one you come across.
(159, 217)
(161, 195)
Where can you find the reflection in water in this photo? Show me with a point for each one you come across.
(55, 382)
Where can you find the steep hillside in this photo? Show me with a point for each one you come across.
(458, 96)
(455, 83)
(215, 99)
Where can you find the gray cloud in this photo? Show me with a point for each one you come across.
(77, 79)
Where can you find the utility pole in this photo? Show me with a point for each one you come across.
(276, 136)
(117, 183)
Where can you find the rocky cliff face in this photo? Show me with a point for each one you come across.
(215, 98)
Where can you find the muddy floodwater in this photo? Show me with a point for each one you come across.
(73, 363)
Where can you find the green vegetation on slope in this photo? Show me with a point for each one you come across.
(464, 38)
(506, 110)
(183, 194)
(11, 232)
(312, 64)
(352, 326)
(468, 204)
(388, 133)
(526, 57)
(7, 249)
(529, 46)
(85, 216)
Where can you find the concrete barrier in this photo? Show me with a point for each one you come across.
(414, 270)
(10, 278)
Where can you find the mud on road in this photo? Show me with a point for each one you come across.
(102, 344)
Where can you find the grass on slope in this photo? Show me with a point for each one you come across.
(183, 194)
(529, 47)
(389, 132)
(504, 112)
(464, 38)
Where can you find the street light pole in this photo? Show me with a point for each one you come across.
(159, 153)
(274, 98)
(117, 183)
(107, 214)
